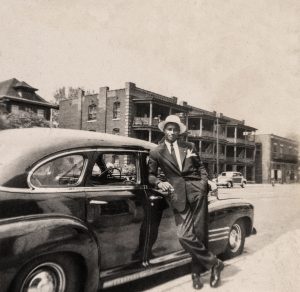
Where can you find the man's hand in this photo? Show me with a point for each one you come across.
(165, 186)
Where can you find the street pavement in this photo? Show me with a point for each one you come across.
(271, 259)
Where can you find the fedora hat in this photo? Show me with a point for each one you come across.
(172, 119)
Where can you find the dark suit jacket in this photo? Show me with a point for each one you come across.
(188, 183)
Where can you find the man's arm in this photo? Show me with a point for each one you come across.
(153, 169)
(153, 172)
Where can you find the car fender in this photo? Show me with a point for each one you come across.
(223, 214)
(24, 239)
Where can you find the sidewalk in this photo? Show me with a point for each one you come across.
(274, 268)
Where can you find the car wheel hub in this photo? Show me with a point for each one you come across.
(235, 237)
(48, 277)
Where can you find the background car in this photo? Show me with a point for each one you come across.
(77, 213)
(230, 178)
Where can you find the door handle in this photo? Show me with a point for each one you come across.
(152, 198)
(97, 202)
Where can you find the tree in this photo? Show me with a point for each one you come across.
(26, 120)
(62, 93)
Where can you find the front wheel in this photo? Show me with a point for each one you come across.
(53, 273)
(243, 184)
(229, 184)
(236, 240)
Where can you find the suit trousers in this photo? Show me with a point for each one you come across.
(192, 232)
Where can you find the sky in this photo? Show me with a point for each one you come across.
(241, 58)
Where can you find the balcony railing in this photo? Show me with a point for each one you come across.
(207, 155)
(144, 121)
(207, 133)
(244, 160)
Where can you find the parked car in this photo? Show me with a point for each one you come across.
(77, 213)
(230, 178)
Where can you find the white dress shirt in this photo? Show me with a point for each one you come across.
(177, 154)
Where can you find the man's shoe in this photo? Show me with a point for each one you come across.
(216, 274)
(197, 283)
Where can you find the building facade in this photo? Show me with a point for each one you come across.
(277, 159)
(135, 112)
(18, 96)
(225, 144)
(131, 111)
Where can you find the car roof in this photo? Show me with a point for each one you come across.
(20, 148)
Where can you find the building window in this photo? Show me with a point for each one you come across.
(116, 131)
(41, 113)
(116, 110)
(92, 112)
(14, 109)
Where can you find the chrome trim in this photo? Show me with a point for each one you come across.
(62, 154)
(78, 151)
(147, 272)
(218, 229)
(218, 234)
(96, 202)
(71, 189)
(216, 239)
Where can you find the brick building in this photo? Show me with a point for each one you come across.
(135, 112)
(130, 111)
(276, 159)
(17, 96)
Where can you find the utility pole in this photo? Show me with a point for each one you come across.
(218, 166)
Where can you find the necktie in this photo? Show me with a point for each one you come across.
(174, 155)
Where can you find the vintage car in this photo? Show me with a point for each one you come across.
(230, 178)
(77, 213)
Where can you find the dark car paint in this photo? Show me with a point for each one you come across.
(34, 222)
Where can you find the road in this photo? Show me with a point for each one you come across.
(271, 259)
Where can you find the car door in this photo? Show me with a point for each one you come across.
(116, 210)
(163, 244)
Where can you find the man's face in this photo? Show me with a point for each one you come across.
(171, 131)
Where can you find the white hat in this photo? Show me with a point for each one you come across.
(172, 119)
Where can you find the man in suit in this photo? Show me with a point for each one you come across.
(187, 188)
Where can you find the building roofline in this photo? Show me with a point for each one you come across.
(279, 137)
(47, 104)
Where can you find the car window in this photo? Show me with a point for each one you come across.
(223, 174)
(62, 171)
(114, 169)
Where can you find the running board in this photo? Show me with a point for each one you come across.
(144, 273)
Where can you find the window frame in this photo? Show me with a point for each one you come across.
(111, 151)
(15, 109)
(116, 110)
(56, 156)
(92, 112)
(39, 111)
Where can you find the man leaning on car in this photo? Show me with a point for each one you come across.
(187, 186)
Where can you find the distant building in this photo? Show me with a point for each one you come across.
(236, 141)
(276, 159)
(17, 96)
(135, 112)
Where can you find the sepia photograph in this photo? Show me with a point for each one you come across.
(149, 145)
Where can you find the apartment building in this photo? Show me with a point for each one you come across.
(224, 143)
(136, 112)
(130, 111)
(277, 159)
